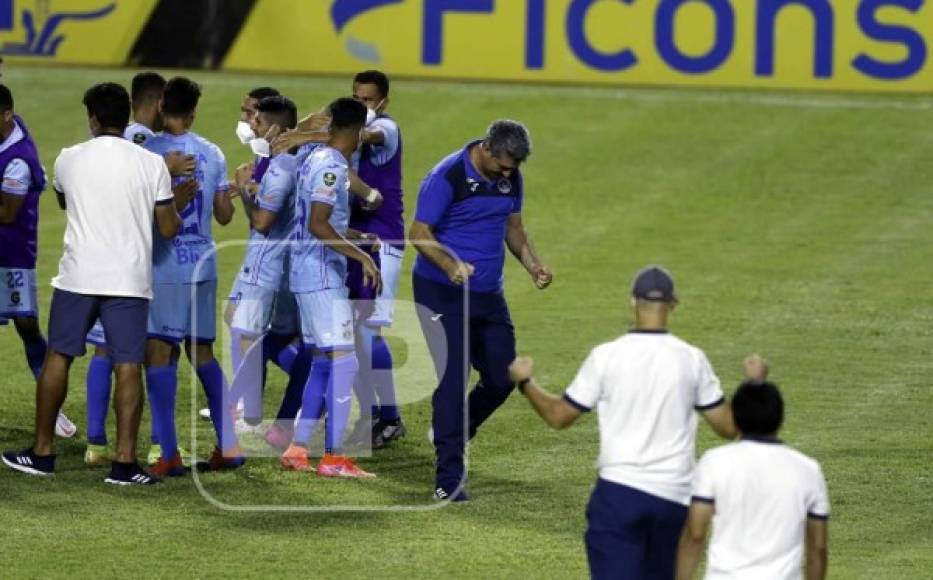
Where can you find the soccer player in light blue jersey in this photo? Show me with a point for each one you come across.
(185, 288)
(318, 273)
(261, 288)
(147, 121)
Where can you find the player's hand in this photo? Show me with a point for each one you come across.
(372, 242)
(184, 193)
(460, 272)
(756, 368)
(273, 133)
(373, 201)
(371, 275)
(542, 276)
(316, 122)
(244, 174)
(522, 368)
(179, 164)
(288, 140)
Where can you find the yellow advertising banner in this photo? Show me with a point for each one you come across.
(859, 45)
(71, 31)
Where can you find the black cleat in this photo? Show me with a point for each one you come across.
(29, 463)
(130, 474)
(385, 432)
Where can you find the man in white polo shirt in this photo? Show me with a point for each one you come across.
(647, 387)
(113, 193)
(768, 502)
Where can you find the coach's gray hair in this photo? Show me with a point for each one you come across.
(505, 136)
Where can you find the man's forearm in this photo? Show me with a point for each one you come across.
(817, 560)
(428, 246)
(519, 245)
(545, 404)
(688, 555)
(332, 238)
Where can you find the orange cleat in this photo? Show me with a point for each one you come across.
(295, 458)
(340, 466)
(223, 460)
(168, 468)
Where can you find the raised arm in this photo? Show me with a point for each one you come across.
(519, 243)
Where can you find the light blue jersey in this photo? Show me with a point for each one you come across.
(264, 262)
(322, 179)
(138, 133)
(174, 260)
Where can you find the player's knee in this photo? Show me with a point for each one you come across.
(158, 354)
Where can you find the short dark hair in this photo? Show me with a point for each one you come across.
(282, 109)
(373, 77)
(181, 96)
(109, 103)
(511, 137)
(758, 408)
(346, 112)
(147, 86)
(6, 99)
(260, 93)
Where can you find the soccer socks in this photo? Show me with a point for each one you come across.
(280, 350)
(212, 379)
(162, 386)
(35, 355)
(236, 350)
(312, 400)
(98, 399)
(385, 383)
(247, 383)
(339, 400)
(285, 359)
(294, 391)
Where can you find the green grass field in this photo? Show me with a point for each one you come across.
(798, 226)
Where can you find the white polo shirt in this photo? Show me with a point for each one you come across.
(763, 492)
(646, 387)
(111, 188)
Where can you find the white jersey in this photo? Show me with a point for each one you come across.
(646, 387)
(763, 493)
(111, 188)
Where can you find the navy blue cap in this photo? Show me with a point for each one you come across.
(655, 284)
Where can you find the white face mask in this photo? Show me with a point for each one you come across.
(244, 132)
(260, 147)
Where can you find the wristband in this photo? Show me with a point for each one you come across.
(522, 384)
(373, 196)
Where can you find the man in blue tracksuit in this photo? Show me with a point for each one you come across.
(469, 209)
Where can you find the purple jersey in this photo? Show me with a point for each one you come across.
(18, 239)
(381, 167)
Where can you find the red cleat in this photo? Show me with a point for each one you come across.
(168, 468)
(223, 460)
(295, 458)
(340, 466)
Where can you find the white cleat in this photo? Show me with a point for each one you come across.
(205, 414)
(64, 427)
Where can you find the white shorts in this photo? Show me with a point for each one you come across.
(19, 296)
(390, 265)
(253, 309)
(327, 319)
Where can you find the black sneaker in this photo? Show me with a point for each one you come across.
(385, 432)
(28, 462)
(130, 474)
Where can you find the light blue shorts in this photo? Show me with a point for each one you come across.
(176, 315)
(326, 319)
(19, 296)
(252, 312)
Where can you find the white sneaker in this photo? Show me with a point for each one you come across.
(241, 427)
(431, 435)
(64, 427)
(205, 414)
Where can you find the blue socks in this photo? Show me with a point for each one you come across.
(279, 350)
(291, 402)
(162, 386)
(212, 379)
(98, 399)
(339, 400)
(35, 355)
(385, 383)
(312, 399)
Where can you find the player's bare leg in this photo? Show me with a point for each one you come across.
(51, 390)
(127, 404)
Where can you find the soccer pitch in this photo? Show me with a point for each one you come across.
(797, 226)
